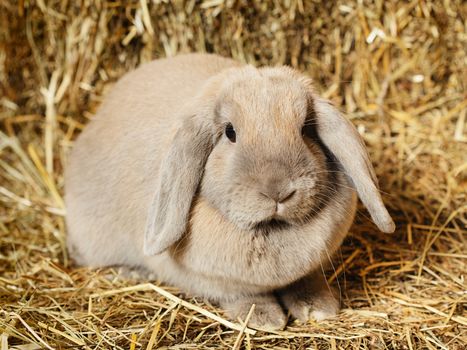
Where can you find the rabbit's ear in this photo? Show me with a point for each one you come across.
(179, 177)
(343, 140)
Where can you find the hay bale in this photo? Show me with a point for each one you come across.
(397, 69)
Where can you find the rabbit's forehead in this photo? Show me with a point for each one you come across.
(265, 102)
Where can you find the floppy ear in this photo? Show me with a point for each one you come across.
(179, 176)
(343, 140)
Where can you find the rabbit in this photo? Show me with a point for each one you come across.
(231, 182)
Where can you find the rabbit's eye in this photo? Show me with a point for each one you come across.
(309, 131)
(230, 133)
(305, 130)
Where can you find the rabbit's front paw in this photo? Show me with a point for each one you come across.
(310, 298)
(267, 313)
(317, 306)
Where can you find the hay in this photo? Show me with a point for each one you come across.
(398, 70)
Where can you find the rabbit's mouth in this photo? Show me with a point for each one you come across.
(271, 224)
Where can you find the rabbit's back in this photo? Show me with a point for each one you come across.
(114, 163)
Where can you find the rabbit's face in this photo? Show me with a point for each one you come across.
(268, 169)
(263, 149)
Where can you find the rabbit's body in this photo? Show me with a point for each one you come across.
(229, 243)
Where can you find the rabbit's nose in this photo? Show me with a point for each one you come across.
(279, 196)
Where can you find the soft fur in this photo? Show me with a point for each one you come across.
(154, 183)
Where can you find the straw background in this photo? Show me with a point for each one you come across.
(397, 68)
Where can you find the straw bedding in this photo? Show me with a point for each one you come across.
(397, 68)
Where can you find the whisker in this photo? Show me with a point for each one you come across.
(336, 184)
(335, 272)
(343, 270)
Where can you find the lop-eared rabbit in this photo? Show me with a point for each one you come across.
(232, 182)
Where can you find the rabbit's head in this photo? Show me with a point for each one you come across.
(263, 149)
